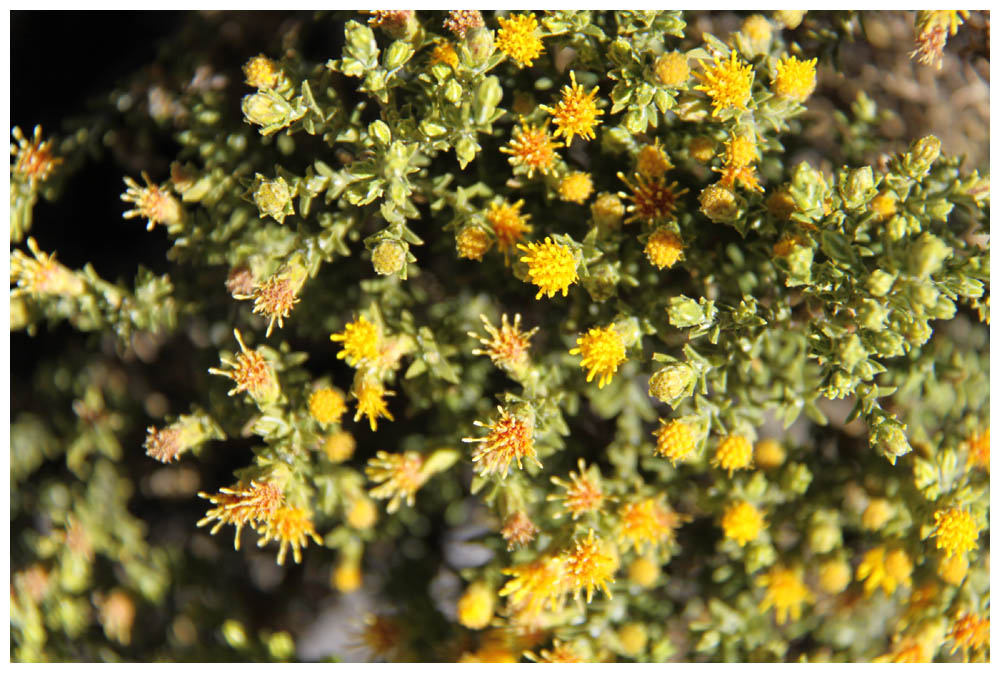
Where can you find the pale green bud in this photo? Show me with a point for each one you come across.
(397, 54)
(607, 211)
(859, 188)
(851, 352)
(879, 282)
(927, 255)
(273, 198)
(891, 440)
(265, 110)
(672, 383)
(453, 91)
(379, 130)
(872, 315)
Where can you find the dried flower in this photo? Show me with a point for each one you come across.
(933, 28)
(327, 405)
(649, 521)
(251, 373)
(551, 266)
(518, 39)
(726, 83)
(42, 275)
(590, 564)
(276, 296)
(785, 592)
(603, 350)
(576, 187)
(956, 531)
(361, 342)
(675, 440)
(794, 79)
(509, 225)
(510, 438)
(742, 522)
(576, 113)
(399, 476)
(652, 200)
(152, 202)
(582, 492)
(508, 346)
(460, 21)
(240, 505)
(733, 453)
(532, 147)
(518, 530)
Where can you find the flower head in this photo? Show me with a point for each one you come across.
(576, 187)
(34, 160)
(795, 79)
(603, 350)
(675, 440)
(518, 39)
(536, 585)
(886, 569)
(508, 346)
(152, 202)
(370, 394)
(291, 527)
(582, 493)
(551, 266)
(785, 592)
(733, 453)
(399, 477)
(652, 162)
(164, 445)
(739, 157)
(510, 438)
(532, 147)
(672, 69)
(727, 83)
(509, 225)
(649, 521)
(518, 530)
(475, 607)
(769, 454)
(361, 342)
(561, 653)
(41, 274)
(970, 632)
(742, 522)
(591, 564)
(460, 21)
(644, 572)
(933, 28)
(251, 373)
(664, 248)
(347, 576)
(339, 446)
(979, 450)
(956, 531)
(275, 298)
(651, 199)
(472, 242)
(327, 405)
(361, 513)
(240, 505)
(261, 72)
(576, 113)
(444, 52)
(388, 257)
(952, 569)
(834, 576)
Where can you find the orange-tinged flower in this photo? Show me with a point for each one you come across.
(508, 346)
(675, 440)
(41, 274)
(551, 266)
(116, 613)
(785, 592)
(532, 147)
(444, 52)
(652, 200)
(576, 187)
(361, 342)
(933, 28)
(275, 298)
(970, 632)
(979, 450)
(742, 522)
(956, 531)
(291, 527)
(649, 521)
(591, 564)
(251, 373)
(583, 491)
(733, 453)
(510, 438)
(603, 350)
(153, 202)
(576, 114)
(34, 160)
(739, 156)
(727, 83)
(398, 475)
(509, 225)
(240, 505)
(518, 530)
(518, 39)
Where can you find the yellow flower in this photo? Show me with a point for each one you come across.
(42, 274)
(795, 79)
(361, 342)
(663, 248)
(472, 242)
(887, 570)
(536, 585)
(979, 450)
(347, 576)
(327, 405)
(444, 52)
(739, 157)
(561, 653)
(603, 350)
(672, 69)
(591, 564)
(475, 607)
(733, 453)
(582, 492)
(339, 446)
(370, 394)
(551, 266)
(648, 521)
(652, 161)
(970, 632)
(361, 513)
(883, 205)
(152, 202)
(834, 576)
(518, 530)
(517, 39)
(952, 569)
(532, 147)
(398, 475)
(510, 438)
(633, 638)
(261, 72)
(956, 531)
(576, 187)
(651, 199)
(291, 527)
(769, 454)
(509, 225)
(508, 346)
(785, 592)
(727, 84)
(757, 30)
(607, 210)
(644, 572)
(576, 113)
(251, 373)
(675, 440)
(742, 522)
(33, 161)
(876, 514)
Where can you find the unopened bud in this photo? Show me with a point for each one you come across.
(672, 383)
(388, 257)
(607, 211)
(273, 198)
(719, 204)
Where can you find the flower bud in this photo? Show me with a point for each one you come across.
(265, 110)
(926, 151)
(879, 282)
(928, 254)
(273, 198)
(672, 383)
(719, 204)
(388, 257)
(672, 69)
(602, 282)
(453, 91)
(768, 454)
(859, 188)
(872, 315)
(891, 440)
(607, 211)
(488, 96)
(824, 532)
(397, 54)
(633, 638)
